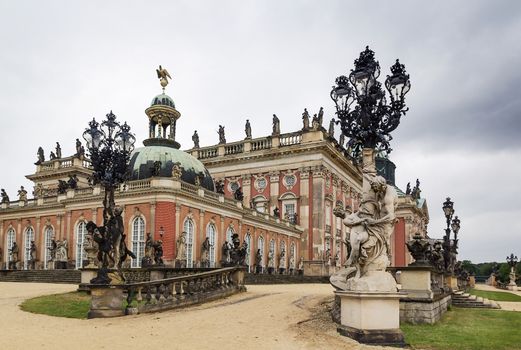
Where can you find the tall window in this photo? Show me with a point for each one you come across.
(11, 238)
(81, 229)
(271, 254)
(138, 241)
(260, 245)
(293, 254)
(229, 234)
(29, 237)
(48, 234)
(282, 262)
(189, 229)
(211, 233)
(247, 239)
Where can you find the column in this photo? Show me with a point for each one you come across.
(152, 227)
(274, 192)
(305, 252)
(318, 211)
(246, 190)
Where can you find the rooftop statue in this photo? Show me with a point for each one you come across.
(41, 156)
(195, 139)
(58, 150)
(163, 76)
(247, 129)
(276, 125)
(305, 119)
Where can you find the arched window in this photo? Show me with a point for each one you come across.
(260, 245)
(81, 229)
(260, 203)
(138, 241)
(29, 237)
(271, 254)
(282, 262)
(189, 229)
(292, 255)
(211, 233)
(229, 234)
(10, 239)
(48, 235)
(247, 239)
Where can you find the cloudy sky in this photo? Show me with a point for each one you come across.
(64, 62)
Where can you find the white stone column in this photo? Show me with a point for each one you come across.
(304, 213)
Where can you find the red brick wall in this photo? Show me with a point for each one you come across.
(399, 243)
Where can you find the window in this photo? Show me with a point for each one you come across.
(260, 245)
(48, 235)
(229, 234)
(247, 239)
(282, 262)
(81, 229)
(328, 214)
(271, 254)
(293, 255)
(29, 237)
(260, 204)
(210, 233)
(11, 238)
(290, 180)
(138, 241)
(189, 229)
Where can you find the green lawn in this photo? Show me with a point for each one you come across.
(497, 296)
(72, 305)
(468, 329)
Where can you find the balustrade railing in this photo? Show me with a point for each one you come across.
(179, 291)
(260, 144)
(138, 184)
(208, 153)
(233, 148)
(189, 187)
(290, 139)
(66, 163)
(87, 191)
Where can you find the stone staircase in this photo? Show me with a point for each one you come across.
(462, 299)
(41, 276)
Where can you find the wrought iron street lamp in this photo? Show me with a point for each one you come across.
(450, 246)
(110, 145)
(369, 122)
(512, 261)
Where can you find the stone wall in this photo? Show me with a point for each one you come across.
(424, 310)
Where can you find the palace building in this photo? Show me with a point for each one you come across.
(290, 183)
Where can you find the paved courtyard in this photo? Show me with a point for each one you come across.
(266, 317)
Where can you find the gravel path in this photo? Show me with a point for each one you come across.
(265, 317)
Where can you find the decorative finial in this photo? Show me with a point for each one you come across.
(163, 76)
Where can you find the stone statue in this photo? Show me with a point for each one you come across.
(291, 261)
(301, 266)
(89, 244)
(177, 171)
(155, 169)
(314, 123)
(38, 191)
(205, 252)
(22, 194)
(181, 250)
(52, 156)
(58, 150)
(276, 125)
(158, 253)
(331, 129)
(320, 118)
(238, 195)
(5, 197)
(258, 261)
(219, 186)
(148, 258)
(305, 119)
(72, 182)
(225, 251)
(78, 148)
(341, 140)
(436, 258)
(408, 189)
(247, 129)
(222, 138)
(276, 212)
(282, 260)
(52, 250)
(195, 139)
(62, 186)
(32, 256)
(416, 191)
(163, 76)
(13, 254)
(371, 228)
(62, 253)
(40, 155)
(271, 258)
(337, 259)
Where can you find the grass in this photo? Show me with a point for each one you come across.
(71, 305)
(468, 329)
(497, 296)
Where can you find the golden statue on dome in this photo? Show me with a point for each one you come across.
(163, 76)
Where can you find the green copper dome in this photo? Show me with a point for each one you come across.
(163, 100)
(142, 164)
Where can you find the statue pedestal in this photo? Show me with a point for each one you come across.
(452, 282)
(106, 301)
(416, 281)
(512, 286)
(371, 317)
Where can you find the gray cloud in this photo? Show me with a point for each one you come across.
(63, 63)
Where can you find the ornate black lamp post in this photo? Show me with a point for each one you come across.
(109, 146)
(512, 260)
(369, 123)
(450, 247)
